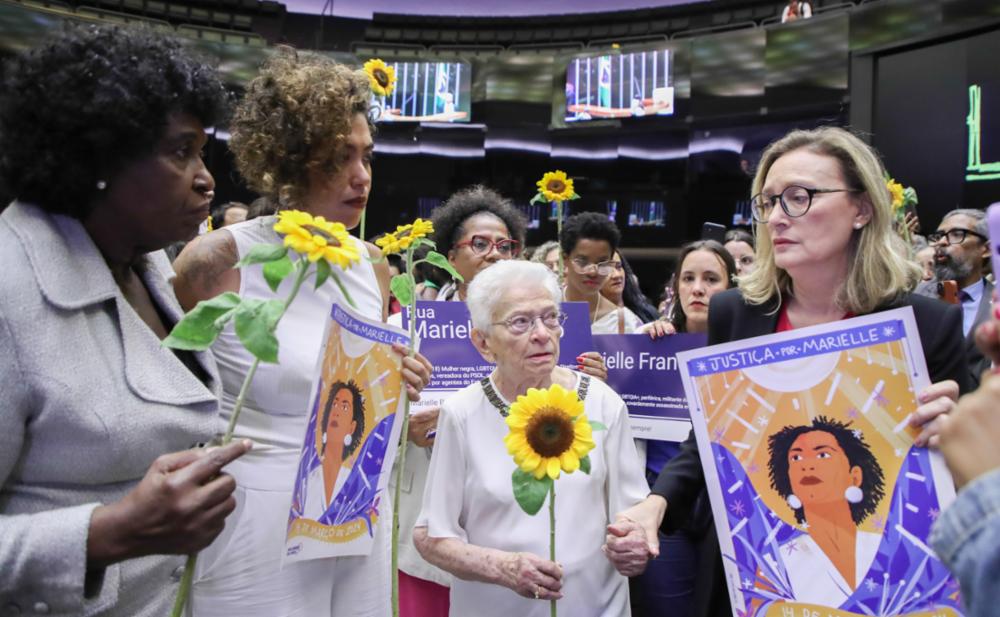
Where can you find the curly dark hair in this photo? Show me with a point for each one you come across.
(677, 317)
(855, 449)
(632, 296)
(82, 107)
(295, 117)
(588, 226)
(449, 219)
(358, 407)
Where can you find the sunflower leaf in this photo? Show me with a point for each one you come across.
(401, 288)
(597, 426)
(262, 253)
(276, 271)
(585, 464)
(255, 321)
(530, 493)
(572, 197)
(322, 272)
(538, 199)
(200, 327)
(437, 259)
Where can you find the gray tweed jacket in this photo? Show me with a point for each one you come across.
(88, 399)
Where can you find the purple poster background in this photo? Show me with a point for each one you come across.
(645, 374)
(443, 332)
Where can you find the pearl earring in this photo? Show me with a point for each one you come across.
(101, 185)
(857, 226)
(348, 440)
(794, 502)
(854, 494)
(324, 439)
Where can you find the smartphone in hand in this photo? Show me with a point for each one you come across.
(713, 231)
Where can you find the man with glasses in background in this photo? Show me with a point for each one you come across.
(961, 252)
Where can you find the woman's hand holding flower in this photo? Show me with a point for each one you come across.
(533, 577)
(416, 371)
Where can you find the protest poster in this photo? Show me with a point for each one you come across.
(351, 439)
(443, 331)
(822, 502)
(645, 374)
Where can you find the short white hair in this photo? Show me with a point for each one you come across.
(490, 285)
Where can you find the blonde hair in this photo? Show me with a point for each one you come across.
(295, 117)
(879, 270)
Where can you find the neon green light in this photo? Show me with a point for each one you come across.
(979, 170)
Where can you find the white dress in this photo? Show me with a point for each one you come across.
(608, 324)
(813, 576)
(241, 572)
(469, 497)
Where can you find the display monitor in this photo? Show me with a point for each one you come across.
(533, 213)
(426, 92)
(647, 213)
(620, 85)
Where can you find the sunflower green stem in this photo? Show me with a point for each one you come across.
(559, 223)
(184, 590)
(361, 231)
(403, 440)
(552, 539)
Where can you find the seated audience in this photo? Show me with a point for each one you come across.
(470, 524)
(548, 255)
(740, 245)
(794, 10)
(101, 131)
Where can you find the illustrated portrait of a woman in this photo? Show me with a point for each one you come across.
(831, 480)
(339, 429)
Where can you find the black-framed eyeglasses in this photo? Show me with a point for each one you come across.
(520, 324)
(955, 235)
(481, 245)
(604, 268)
(795, 201)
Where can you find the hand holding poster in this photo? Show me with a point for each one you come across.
(822, 503)
(351, 439)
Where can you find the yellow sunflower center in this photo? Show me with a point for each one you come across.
(331, 240)
(556, 186)
(549, 432)
(381, 77)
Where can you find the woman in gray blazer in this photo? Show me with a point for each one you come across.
(100, 143)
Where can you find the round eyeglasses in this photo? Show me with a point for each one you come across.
(604, 268)
(795, 201)
(481, 245)
(521, 324)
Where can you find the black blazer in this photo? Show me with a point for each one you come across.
(977, 362)
(682, 480)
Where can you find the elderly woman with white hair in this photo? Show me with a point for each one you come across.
(470, 524)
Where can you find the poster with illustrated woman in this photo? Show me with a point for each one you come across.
(822, 502)
(351, 439)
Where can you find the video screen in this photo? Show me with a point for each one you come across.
(646, 213)
(533, 213)
(742, 214)
(612, 206)
(620, 86)
(567, 211)
(427, 92)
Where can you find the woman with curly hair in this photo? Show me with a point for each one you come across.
(101, 132)
(301, 138)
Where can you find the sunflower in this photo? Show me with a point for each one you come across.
(404, 236)
(556, 186)
(548, 432)
(896, 193)
(317, 238)
(381, 75)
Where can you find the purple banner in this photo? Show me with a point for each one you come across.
(804, 347)
(644, 372)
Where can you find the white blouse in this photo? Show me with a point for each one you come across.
(608, 324)
(469, 497)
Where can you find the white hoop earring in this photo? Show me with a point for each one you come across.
(794, 502)
(348, 440)
(854, 494)
(101, 185)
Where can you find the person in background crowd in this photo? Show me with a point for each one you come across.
(622, 288)
(262, 206)
(301, 138)
(796, 9)
(826, 251)
(740, 244)
(470, 524)
(229, 214)
(961, 252)
(548, 255)
(99, 498)
(925, 259)
(430, 279)
(704, 269)
(589, 241)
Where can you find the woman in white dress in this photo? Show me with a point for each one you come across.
(300, 137)
(470, 524)
(589, 242)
